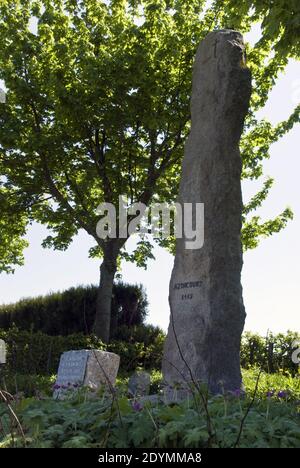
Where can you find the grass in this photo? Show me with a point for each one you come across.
(276, 383)
(40, 385)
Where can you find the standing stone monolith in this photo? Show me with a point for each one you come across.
(207, 311)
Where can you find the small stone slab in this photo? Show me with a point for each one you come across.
(85, 368)
(2, 352)
(2, 96)
(139, 384)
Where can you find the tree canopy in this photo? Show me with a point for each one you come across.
(279, 19)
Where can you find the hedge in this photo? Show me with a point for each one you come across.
(73, 311)
(272, 353)
(138, 346)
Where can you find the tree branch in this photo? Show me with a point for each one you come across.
(55, 192)
(100, 159)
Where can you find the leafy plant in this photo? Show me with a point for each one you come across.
(271, 422)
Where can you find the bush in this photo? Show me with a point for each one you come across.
(271, 354)
(272, 385)
(146, 334)
(73, 311)
(29, 385)
(38, 353)
(138, 346)
(81, 422)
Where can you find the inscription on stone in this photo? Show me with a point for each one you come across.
(189, 284)
(186, 296)
(72, 367)
(90, 369)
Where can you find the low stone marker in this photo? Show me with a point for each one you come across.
(2, 352)
(85, 368)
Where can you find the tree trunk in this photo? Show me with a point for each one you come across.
(108, 269)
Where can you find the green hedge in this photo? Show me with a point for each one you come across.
(272, 353)
(38, 353)
(234, 421)
(138, 346)
(73, 311)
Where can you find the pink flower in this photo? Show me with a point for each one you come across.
(137, 406)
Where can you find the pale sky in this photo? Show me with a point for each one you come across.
(271, 272)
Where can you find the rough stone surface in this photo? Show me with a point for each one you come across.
(2, 352)
(88, 368)
(139, 384)
(102, 369)
(207, 311)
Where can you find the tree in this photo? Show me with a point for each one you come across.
(13, 223)
(98, 106)
(279, 19)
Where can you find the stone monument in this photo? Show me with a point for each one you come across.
(139, 384)
(2, 352)
(85, 368)
(207, 312)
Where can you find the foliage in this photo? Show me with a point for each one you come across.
(129, 307)
(131, 85)
(271, 385)
(73, 311)
(98, 106)
(13, 224)
(126, 65)
(138, 346)
(135, 354)
(38, 353)
(39, 386)
(146, 334)
(280, 21)
(272, 421)
(27, 385)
